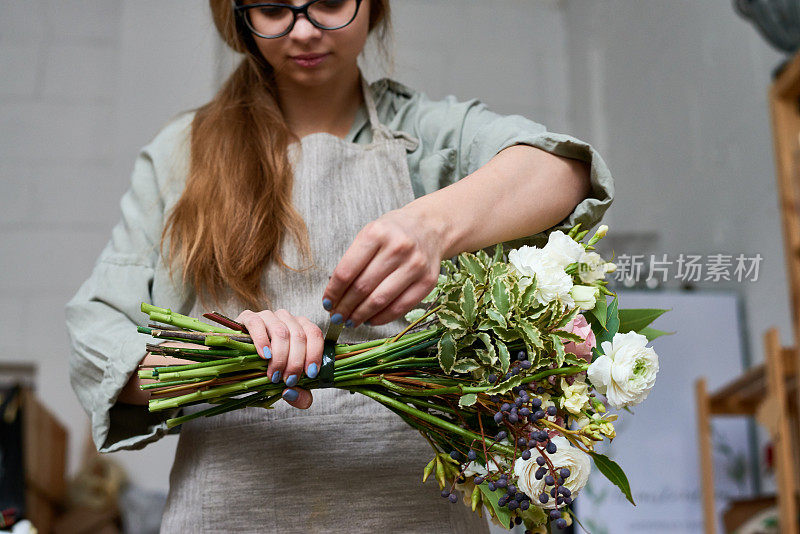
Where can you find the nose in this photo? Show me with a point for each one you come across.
(303, 29)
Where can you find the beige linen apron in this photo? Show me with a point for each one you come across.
(347, 464)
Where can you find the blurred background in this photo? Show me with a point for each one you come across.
(673, 94)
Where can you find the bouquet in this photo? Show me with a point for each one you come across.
(509, 369)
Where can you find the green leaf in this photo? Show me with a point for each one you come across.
(465, 366)
(600, 310)
(468, 303)
(473, 265)
(559, 348)
(500, 297)
(507, 334)
(612, 324)
(633, 320)
(614, 473)
(505, 357)
(466, 341)
(451, 320)
(497, 317)
(484, 258)
(487, 341)
(468, 399)
(498, 253)
(491, 498)
(566, 318)
(563, 334)
(484, 356)
(505, 387)
(447, 352)
(531, 334)
(414, 314)
(652, 333)
(528, 297)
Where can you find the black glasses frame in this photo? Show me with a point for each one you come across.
(241, 11)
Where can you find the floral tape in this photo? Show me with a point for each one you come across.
(328, 361)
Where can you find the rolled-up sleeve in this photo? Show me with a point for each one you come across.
(102, 318)
(457, 138)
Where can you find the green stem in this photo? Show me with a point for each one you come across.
(167, 316)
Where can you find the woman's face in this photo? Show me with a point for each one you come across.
(310, 56)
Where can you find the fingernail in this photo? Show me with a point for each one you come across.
(267, 353)
(290, 395)
(276, 377)
(349, 323)
(292, 380)
(312, 371)
(327, 304)
(336, 318)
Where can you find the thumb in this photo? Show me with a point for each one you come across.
(297, 397)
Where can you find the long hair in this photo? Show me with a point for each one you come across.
(236, 209)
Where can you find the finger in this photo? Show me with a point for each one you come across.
(410, 298)
(315, 343)
(298, 397)
(382, 265)
(258, 331)
(358, 255)
(279, 337)
(385, 294)
(297, 348)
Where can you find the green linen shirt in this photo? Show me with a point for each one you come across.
(454, 139)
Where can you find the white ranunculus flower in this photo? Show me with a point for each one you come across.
(574, 459)
(475, 468)
(576, 396)
(627, 371)
(552, 283)
(585, 297)
(591, 268)
(562, 249)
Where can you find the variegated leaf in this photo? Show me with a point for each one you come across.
(497, 317)
(451, 320)
(504, 356)
(531, 334)
(465, 366)
(559, 349)
(500, 296)
(487, 342)
(504, 387)
(468, 400)
(468, 303)
(473, 265)
(447, 353)
(563, 334)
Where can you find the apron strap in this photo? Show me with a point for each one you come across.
(380, 131)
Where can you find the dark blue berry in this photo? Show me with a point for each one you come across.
(543, 436)
(445, 494)
(543, 498)
(508, 376)
(563, 490)
(540, 473)
(564, 473)
(521, 355)
(540, 460)
(478, 480)
(555, 514)
(525, 365)
(521, 442)
(536, 403)
(501, 435)
(551, 410)
(453, 498)
(526, 455)
(502, 500)
(553, 492)
(524, 505)
(498, 417)
(531, 443)
(512, 489)
(513, 418)
(501, 483)
(472, 455)
(492, 378)
(518, 401)
(513, 505)
(551, 448)
(567, 500)
(549, 480)
(505, 407)
(561, 523)
(559, 500)
(515, 371)
(538, 414)
(491, 486)
(518, 519)
(455, 455)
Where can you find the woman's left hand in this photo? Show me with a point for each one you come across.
(392, 264)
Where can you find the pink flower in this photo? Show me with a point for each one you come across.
(580, 327)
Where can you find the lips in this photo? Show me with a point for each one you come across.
(309, 60)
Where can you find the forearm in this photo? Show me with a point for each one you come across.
(132, 392)
(521, 191)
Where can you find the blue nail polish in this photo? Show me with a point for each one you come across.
(292, 380)
(336, 318)
(367, 323)
(290, 395)
(312, 371)
(267, 353)
(349, 323)
(327, 304)
(276, 377)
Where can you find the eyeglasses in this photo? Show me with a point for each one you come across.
(272, 20)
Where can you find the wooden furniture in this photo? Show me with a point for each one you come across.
(770, 392)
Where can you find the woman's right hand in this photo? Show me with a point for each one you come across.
(293, 346)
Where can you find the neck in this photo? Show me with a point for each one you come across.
(330, 107)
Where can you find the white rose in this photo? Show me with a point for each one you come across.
(562, 249)
(576, 396)
(591, 268)
(627, 371)
(552, 283)
(585, 297)
(574, 459)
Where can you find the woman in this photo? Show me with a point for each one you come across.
(309, 196)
